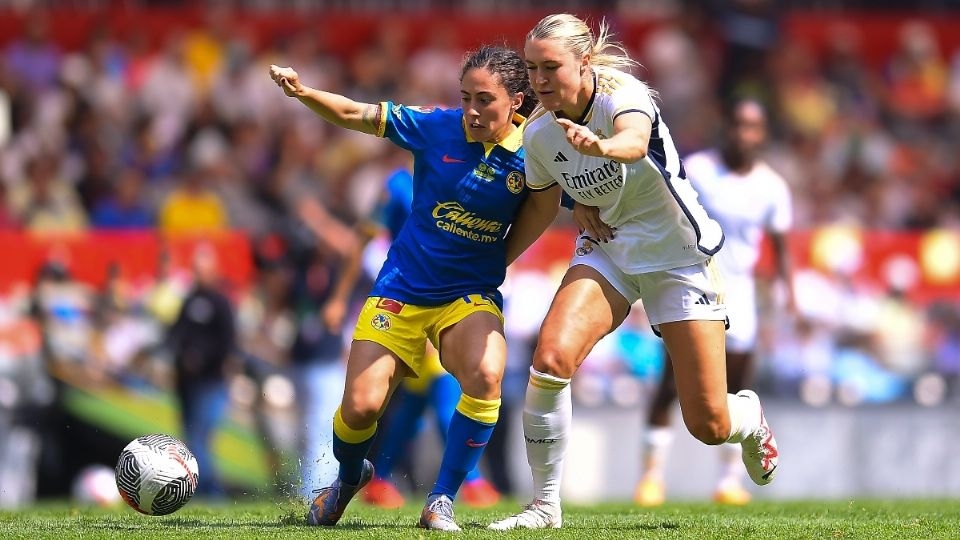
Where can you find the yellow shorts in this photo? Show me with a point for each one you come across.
(430, 370)
(404, 329)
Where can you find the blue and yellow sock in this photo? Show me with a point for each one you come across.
(470, 429)
(445, 396)
(350, 447)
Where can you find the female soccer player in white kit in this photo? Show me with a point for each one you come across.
(749, 199)
(601, 139)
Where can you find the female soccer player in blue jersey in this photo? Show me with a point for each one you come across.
(440, 279)
(435, 388)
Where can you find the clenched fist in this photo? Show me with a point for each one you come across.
(287, 79)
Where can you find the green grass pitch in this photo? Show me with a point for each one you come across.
(856, 519)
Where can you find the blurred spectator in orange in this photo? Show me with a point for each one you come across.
(7, 218)
(916, 75)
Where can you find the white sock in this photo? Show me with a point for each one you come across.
(744, 417)
(731, 466)
(656, 445)
(547, 415)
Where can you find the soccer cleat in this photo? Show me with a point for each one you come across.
(383, 494)
(650, 491)
(437, 514)
(331, 501)
(759, 450)
(731, 495)
(536, 515)
(479, 493)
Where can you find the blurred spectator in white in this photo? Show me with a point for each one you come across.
(63, 307)
(898, 337)
(168, 94)
(433, 69)
(26, 392)
(44, 202)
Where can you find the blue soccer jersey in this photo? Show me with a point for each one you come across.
(396, 209)
(465, 195)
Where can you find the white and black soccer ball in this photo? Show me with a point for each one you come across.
(156, 474)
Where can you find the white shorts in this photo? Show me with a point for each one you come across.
(689, 293)
(740, 299)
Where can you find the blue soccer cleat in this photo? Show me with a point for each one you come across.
(331, 501)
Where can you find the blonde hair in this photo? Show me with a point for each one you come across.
(577, 37)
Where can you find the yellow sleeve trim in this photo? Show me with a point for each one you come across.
(382, 121)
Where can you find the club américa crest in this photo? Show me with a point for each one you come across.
(380, 322)
(584, 249)
(515, 182)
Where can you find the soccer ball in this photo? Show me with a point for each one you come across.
(95, 485)
(156, 474)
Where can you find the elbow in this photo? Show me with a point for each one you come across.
(633, 155)
(639, 153)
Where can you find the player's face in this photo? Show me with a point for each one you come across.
(487, 106)
(556, 74)
(749, 128)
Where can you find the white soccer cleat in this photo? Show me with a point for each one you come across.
(437, 514)
(759, 450)
(536, 515)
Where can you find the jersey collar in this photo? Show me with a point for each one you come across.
(511, 143)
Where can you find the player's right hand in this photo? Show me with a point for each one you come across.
(588, 219)
(287, 79)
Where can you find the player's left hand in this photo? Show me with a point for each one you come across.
(581, 138)
(588, 219)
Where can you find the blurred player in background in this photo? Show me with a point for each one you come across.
(441, 277)
(748, 199)
(602, 140)
(435, 388)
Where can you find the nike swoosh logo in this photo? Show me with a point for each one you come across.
(448, 159)
(472, 444)
(768, 473)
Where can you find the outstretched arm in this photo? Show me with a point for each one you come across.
(536, 214)
(334, 108)
(628, 144)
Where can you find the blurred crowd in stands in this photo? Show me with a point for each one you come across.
(190, 136)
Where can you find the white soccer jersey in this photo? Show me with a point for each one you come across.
(745, 205)
(660, 225)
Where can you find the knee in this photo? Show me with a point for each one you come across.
(553, 360)
(483, 382)
(712, 429)
(358, 411)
